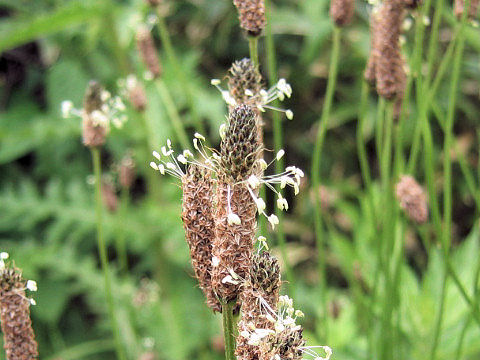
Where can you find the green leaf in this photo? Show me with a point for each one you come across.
(21, 30)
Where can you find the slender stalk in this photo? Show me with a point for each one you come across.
(277, 143)
(447, 172)
(253, 48)
(180, 74)
(228, 330)
(173, 113)
(102, 250)
(317, 152)
(121, 240)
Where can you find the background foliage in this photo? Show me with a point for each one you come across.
(52, 48)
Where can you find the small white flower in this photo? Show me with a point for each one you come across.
(105, 95)
(215, 261)
(67, 107)
(215, 82)
(245, 334)
(32, 285)
(199, 136)
(187, 153)
(299, 313)
(222, 130)
(260, 205)
(279, 327)
(181, 159)
(248, 92)
(228, 98)
(229, 280)
(156, 155)
(263, 164)
(254, 340)
(253, 181)
(280, 154)
(426, 21)
(289, 114)
(271, 318)
(4, 256)
(273, 220)
(32, 302)
(282, 203)
(153, 165)
(161, 168)
(171, 166)
(233, 219)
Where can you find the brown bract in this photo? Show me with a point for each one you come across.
(287, 344)
(148, 52)
(341, 11)
(389, 66)
(93, 135)
(197, 215)
(412, 199)
(233, 244)
(18, 336)
(252, 15)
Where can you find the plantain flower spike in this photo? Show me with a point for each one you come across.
(252, 16)
(197, 216)
(412, 199)
(18, 336)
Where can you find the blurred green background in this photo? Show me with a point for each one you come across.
(50, 49)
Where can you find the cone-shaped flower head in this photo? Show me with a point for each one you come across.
(389, 67)
(239, 147)
(18, 336)
(341, 11)
(148, 52)
(412, 199)
(197, 215)
(252, 15)
(245, 82)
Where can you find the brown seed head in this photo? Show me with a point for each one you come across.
(412, 199)
(109, 196)
(93, 135)
(197, 215)
(239, 148)
(412, 4)
(18, 336)
(233, 244)
(148, 52)
(137, 97)
(252, 15)
(287, 344)
(126, 172)
(459, 6)
(244, 76)
(341, 11)
(389, 67)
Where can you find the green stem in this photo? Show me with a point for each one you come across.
(173, 114)
(111, 30)
(277, 142)
(102, 249)
(317, 152)
(253, 48)
(180, 74)
(121, 240)
(228, 330)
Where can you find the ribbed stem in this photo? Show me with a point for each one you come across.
(229, 330)
(102, 250)
(253, 48)
(317, 152)
(173, 114)
(180, 74)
